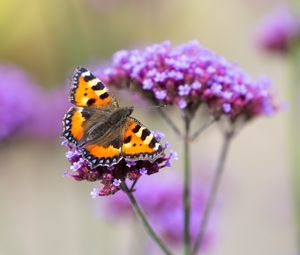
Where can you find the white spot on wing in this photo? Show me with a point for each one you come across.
(93, 82)
(127, 145)
(84, 100)
(148, 139)
(87, 73)
(156, 146)
(139, 134)
(100, 92)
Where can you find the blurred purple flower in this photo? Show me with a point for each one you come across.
(161, 201)
(47, 116)
(112, 176)
(187, 76)
(17, 96)
(26, 109)
(277, 30)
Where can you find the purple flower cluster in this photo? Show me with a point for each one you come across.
(26, 109)
(17, 96)
(112, 176)
(187, 76)
(277, 30)
(160, 199)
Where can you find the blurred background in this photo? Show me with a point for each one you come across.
(43, 212)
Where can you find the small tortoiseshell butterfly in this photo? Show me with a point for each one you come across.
(104, 132)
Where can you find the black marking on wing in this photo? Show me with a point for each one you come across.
(152, 143)
(88, 78)
(86, 113)
(136, 129)
(91, 101)
(104, 95)
(98, 86)
(145, 133)
(116, 143)
(127, 139)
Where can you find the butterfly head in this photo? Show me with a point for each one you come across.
(127, 111)
(120, 115)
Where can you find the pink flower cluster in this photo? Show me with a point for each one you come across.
(189, 75)
(277, 30)
(112, 176)
(161, 201)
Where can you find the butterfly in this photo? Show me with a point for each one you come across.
(103, 131)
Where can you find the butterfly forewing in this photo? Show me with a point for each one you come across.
(87, 90)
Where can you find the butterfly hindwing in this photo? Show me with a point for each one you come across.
(87, 90)
(100, 155)
(139, 143)
(132, 142)
(103, 152)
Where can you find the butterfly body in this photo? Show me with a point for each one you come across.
(104, 123)
(104, 132)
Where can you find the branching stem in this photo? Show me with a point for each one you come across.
(213, 192)
(140, 214)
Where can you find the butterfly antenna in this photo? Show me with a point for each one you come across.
(152, 107)
(158, 106)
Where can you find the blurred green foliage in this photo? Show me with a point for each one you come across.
(49, 38)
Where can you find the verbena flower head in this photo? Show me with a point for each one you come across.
(277, 30)
(17, 96)
(112, 176)
(189, 75)
(161, 201)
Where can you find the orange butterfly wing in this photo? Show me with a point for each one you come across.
(97, 154)
(139, 143)
(88, 90)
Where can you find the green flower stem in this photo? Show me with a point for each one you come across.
(206, 125)
(139, 212)
(213, 192)
(133, 185)
(294, 121)
(186, 188)
(294, 128)
(170, 122)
